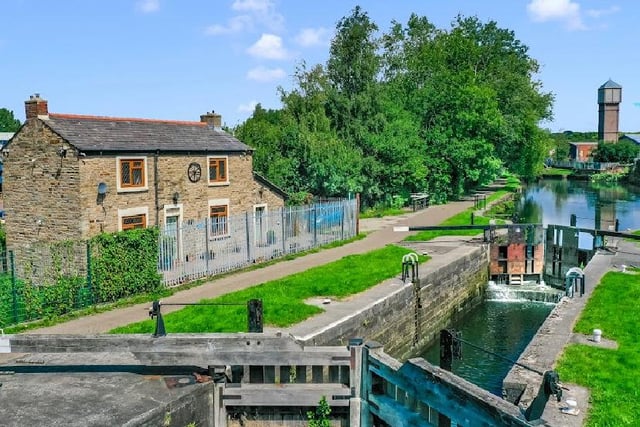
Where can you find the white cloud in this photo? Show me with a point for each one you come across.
(597, 13)
(557, 10)
(259, 6)
(269, 46)
(148, 6)
(247, 108)
(263, 74)
(313, 37)
(235, 25)
(252, 14)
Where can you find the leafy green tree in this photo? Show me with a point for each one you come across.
(8, 123)
(416, 109)
(621, 151)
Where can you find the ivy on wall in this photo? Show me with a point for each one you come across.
(59, 278)
(125, 264)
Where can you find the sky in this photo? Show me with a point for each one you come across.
(177, 59)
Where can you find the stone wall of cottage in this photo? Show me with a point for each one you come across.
(242, 193)
(41, 179)
(49, 197)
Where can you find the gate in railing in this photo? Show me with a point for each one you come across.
(192, 250)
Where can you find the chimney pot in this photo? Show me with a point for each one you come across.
(36, 107)
(212, 119)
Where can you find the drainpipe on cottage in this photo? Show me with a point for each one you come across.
(155, 184)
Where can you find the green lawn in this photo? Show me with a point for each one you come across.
(283, 300)
(556, 172)
(612, 376)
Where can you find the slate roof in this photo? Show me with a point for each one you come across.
(610, 84)
(111, 134)
(5, 136)
(635, 137)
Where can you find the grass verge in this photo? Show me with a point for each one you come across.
(164, 293)
(611, 375)
(284, 299)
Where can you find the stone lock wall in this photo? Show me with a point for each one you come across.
(446, 292)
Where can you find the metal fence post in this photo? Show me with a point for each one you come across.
(14, 292)
(246, 225)
(282, 218)
(342, 206)
(89, 276)
(315, 228)
(207, 224)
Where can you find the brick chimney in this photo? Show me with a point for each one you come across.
(36, 107)
(212, 119)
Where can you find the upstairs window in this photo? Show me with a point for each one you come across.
(132, 174)
(218, 172)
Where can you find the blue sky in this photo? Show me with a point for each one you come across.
(176, 59)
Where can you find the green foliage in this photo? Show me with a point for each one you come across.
(622, 151)
(610, 375)
(320, 417)
(284, 299)
(125, 264)
(8, 123)
(606, 178)
(37, 301)
(415, 109)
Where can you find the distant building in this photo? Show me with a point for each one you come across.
(633, 137)
(581, 151)
(609, 98)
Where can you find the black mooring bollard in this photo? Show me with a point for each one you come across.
(254, 309)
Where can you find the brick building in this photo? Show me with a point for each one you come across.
(70, 177)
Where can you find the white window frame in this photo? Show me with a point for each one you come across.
(218, 202)
(218, 183)
(121, 189)
(144, 210)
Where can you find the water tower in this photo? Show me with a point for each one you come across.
(609, 98)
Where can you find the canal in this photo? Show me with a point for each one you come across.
(506, 325)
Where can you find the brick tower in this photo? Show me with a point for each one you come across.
(609, 98)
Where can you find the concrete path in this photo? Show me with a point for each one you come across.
(380, 233)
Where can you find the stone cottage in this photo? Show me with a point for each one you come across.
(70, 177)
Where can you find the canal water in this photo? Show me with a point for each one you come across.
(504, 327)
(506, 322)
(553, 201)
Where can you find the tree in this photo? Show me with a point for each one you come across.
(8, 123)
(621, 151)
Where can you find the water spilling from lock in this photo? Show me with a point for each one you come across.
(510, 316)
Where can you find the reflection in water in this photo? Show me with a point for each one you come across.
(501, 327)
(553, 201)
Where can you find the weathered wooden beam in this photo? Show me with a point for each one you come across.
(138, 343)
(265, 358)
(285, 394)
(461, 401)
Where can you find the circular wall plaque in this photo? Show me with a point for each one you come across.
(194, 172)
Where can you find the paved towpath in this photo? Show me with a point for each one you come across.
(380, 233)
